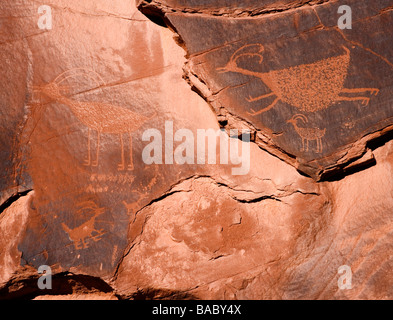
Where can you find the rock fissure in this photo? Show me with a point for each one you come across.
(149, 5)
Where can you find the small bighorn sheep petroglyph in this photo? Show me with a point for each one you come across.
(308, 134)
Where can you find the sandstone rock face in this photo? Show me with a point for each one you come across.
(313, 93)
(102, 174)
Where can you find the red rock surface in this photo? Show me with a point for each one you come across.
(314, 94)
(110, 228)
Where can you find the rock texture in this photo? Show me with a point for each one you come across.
(77, 196)
(314, 94)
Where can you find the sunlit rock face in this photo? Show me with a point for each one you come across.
(196, 150)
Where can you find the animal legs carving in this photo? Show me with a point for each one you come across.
(131, 165)
(84, 243)
(373, 91)
(120, 166)
(306, 143)
(365, 100)
(97, 237)
(88, 160)
(79, 244)
(319, 146)
(254, 113)
(95, 162)
(250, 99)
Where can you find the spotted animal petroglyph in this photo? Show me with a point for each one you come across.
(308, 87)
(98, 116)
(308, 134)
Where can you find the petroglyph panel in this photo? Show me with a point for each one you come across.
(267, 67)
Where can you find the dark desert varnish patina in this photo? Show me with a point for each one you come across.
(316, 95)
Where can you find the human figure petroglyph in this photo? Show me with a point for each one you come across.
(308, 87)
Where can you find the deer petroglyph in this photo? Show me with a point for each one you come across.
(308, 134)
